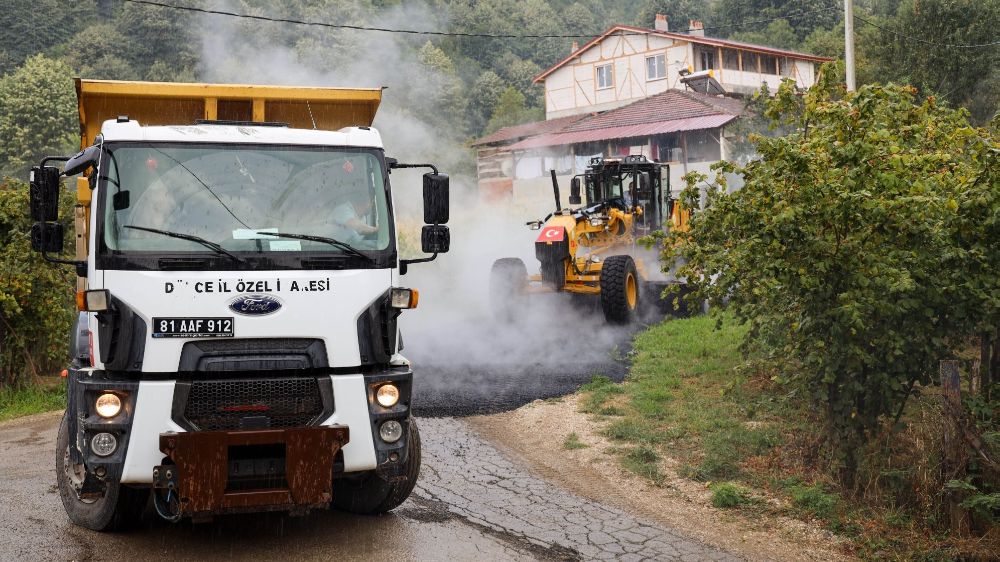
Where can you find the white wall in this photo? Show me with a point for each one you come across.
(572, 89)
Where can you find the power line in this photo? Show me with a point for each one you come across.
(926, 42)
(437, 33)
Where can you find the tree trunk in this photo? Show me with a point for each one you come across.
(953, 449)
(992, 375)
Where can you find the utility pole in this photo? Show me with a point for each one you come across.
(849, 43)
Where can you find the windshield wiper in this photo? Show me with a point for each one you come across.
(206, 243)
(331, 241)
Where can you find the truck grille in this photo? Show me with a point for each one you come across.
(253, 404)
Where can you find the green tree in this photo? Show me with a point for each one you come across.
(778, 33)
(157, 34)
(511, 110)
(741, 16)
(678, 12)
(483, 98)
(520, 73)
(101, 51)
(34, 26)
(37, 114)
(439, 96)
(36, 297)
(859, 249)
(958, 75)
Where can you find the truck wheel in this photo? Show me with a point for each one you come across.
(508, 281)
(619, 289)
(120, 508)
(371, 495)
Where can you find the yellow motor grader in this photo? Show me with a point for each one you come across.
(591, 250)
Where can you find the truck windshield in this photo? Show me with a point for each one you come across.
(159, 198)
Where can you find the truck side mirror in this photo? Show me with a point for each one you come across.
(574, 191)
(44, 193)
(47, 237)
(435, 200)
(82, 160)
(435, 239)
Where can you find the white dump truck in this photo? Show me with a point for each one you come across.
(238, 285)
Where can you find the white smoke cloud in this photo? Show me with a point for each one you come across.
(453, 325)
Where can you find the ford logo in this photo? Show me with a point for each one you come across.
(255, 305)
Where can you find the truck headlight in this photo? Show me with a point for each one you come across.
(108, 405)
(103, 444)
(390, 431)
(387, 395)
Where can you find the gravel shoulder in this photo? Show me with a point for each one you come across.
(535, 434)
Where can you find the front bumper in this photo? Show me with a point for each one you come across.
(151, 409)
(218, 472)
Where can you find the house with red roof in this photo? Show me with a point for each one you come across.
(664, 94)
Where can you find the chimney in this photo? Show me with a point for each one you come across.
(695, 27)
(660, 23)
(574, 47)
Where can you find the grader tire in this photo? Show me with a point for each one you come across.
(619, 289)
(508, 282)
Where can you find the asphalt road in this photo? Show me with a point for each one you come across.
(471, 503)
(466, 363)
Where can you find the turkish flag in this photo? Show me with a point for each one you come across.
(552, 234)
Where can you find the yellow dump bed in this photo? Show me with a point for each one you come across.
(173, 103)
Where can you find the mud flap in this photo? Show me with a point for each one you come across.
(218, 472)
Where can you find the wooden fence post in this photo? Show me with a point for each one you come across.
(953, 448)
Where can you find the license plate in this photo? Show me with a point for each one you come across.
(192, 327)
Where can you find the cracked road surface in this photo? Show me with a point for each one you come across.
(472, 503)
(486, 489)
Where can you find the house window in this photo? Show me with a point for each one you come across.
(768, 64)
(656, 67)
(786, 66)
(706, 59)
(750, 61)
(730, 59)
(604, 79)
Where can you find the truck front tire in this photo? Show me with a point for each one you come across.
(370, 494)
(120, 508)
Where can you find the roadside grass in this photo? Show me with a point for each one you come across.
(573, 442)
(47, 395)
(727, 495)
(644, 461)
(693, 396)
(599, 389)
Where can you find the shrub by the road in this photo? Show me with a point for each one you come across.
(36, 298)
(860, 251)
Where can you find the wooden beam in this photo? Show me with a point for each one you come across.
(211, 109)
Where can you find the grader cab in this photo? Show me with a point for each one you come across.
(592, 250)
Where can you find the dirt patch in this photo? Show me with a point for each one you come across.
(536, 433)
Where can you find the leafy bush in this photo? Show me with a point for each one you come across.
(860, 250)
(36, 297)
